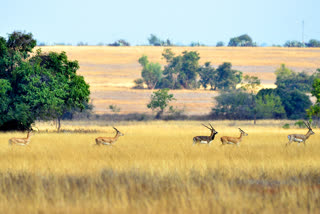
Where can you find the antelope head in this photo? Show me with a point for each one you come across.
(118, 132)
(213, 131)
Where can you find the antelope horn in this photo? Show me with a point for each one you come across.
(307, 124)
(211, 126)
(241, 130)
(206, 126)
(115, 129)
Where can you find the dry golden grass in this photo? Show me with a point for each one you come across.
(155, 169)
(110, 71)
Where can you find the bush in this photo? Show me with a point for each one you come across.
(286, 126)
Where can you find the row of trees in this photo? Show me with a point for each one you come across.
(288, 100)
(313, 43)
(240, 41)
(184, 71)
(44, 86)
(244, 103)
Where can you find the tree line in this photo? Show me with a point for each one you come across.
(288, 100)
(243, 40)
(185, 72)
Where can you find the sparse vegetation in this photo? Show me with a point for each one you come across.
(114, 108)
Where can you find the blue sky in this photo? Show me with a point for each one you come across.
(182, 21)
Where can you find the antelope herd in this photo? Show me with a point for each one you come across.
(109, 141)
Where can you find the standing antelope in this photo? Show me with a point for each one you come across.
(300, 137)
(233, 140)
(205, 139)
(108, 140)
(21, 141)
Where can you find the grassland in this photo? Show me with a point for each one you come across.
(155, 169)
(110, 71)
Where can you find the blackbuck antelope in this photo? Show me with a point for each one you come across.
(108, 140)
(21, 141)
(205, 139)
(233, 140)
(300, 137)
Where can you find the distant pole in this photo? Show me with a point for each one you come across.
(303, 32)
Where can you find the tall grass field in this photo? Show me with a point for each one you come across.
(154, 168)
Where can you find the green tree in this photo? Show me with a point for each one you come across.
(269, 106)
(151, 72)
(294, 102)
(241, 41)
(180, 71)
(293, 43)
(120, 42)
(171, 70)
(313, 43)
(220, 44)
(251, 84)
(189, 69)
(138, 83)
(290, 80)
(42, 87)
(233, 105)
(207, 75)
(227, 78)
(314, 110)
(155, 41)
(159, 101)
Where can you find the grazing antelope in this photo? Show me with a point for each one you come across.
(205, 139)
(21, 141)
(233, 140)
(108, 140)
(300, 137)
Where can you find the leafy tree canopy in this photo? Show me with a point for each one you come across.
(227, 78)
(207, 75)
(160, 100)
(155, 41)
(44, 86)
(314, 110)
(151, 72)
(289, 80)
(241, 41)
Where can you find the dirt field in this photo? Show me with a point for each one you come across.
(110, 71)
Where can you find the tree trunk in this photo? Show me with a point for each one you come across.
(159, 114)
(58, 124)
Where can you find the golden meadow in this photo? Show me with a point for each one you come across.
(155, 168)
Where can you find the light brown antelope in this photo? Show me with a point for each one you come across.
(205, 139)
(21, 141)
(233, 140)
(300, 138)
(108, 140)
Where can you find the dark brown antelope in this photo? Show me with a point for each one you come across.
(300, 138)
(205, 139)
(108, 140)
(233, 140)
